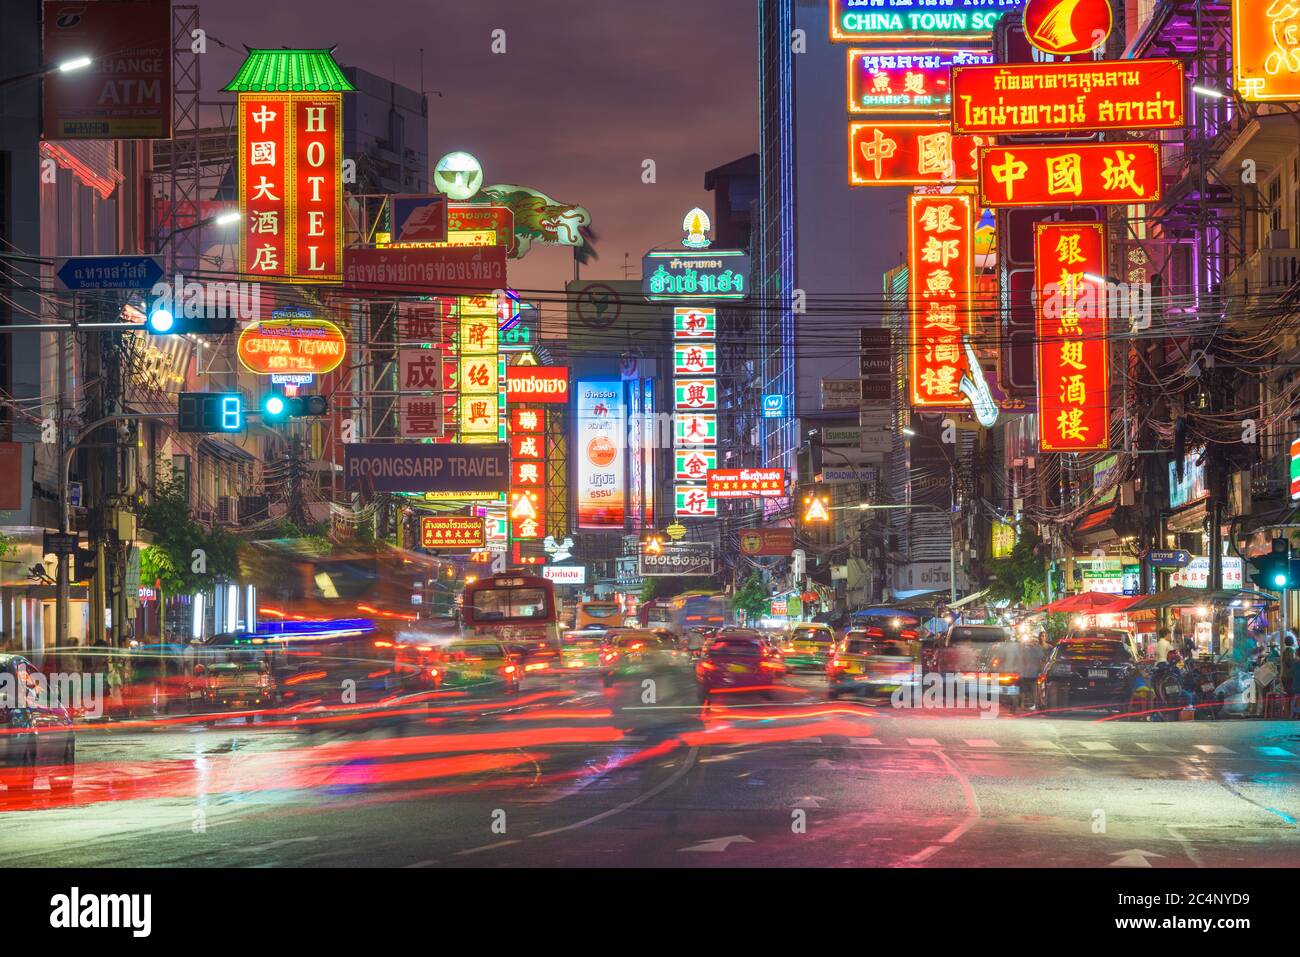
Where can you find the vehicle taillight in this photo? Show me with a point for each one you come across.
(875, 632)
(383, 644)
(708, 666)
(433, 672)
(1009, 679)
(907, 634)
(508, 670)
(771, 664)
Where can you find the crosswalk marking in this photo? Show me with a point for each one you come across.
(864, 740)
(1273, 752)
(1043, 743)
(1153, 747)
(1097, 745)
(981, 743)
(1214, 749)
(923, 742)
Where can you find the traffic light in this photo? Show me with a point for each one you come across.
(210, 412)
(164, 319)
(1273, 571)
(277, 407)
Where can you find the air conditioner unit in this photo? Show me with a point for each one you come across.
(205, 516)
(227, 510)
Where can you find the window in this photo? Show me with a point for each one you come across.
(499, 604)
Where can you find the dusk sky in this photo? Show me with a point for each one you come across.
(585, 92)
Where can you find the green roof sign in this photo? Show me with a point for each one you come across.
(289, 71)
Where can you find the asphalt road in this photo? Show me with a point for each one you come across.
(570, 773)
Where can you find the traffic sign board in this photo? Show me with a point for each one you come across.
(61, 543)
(1169, 558)
(75, 273)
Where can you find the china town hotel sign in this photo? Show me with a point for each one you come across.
(290, 165)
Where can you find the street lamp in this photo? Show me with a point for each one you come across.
(66, 66)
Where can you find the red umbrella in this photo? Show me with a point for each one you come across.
(1092, 603)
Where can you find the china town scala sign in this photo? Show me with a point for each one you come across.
(313, 346)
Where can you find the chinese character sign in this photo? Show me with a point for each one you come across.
(911, 153)
(1068, 97)
(478, 379)
(527, 485)
(941, 280)
(690, 322)
(1073, 358)
(1266, 50)
(1082, 173)
(290, 193)
(695, 358)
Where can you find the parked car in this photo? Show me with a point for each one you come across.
(988, 653)
(1087, 671)
(34, 730)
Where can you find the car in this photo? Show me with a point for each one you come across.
(34, 730)
(1087, 671)
(633, 652)
(738, 661)
(984, 650)
(1112, 634)
(476, 664)
(810, 647)
(869, 665)
(580, 650)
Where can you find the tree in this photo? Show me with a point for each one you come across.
(172, 559)
(1019, 576)
(752, 597)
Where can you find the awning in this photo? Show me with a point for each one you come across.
(1183, 595)
(1093, 603)
(962, 602)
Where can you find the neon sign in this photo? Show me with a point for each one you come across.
(1058, 175)
(941, 284)
(911, 153)
(919, 20)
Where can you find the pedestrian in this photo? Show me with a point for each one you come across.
(1288, 664)
(1163, 645)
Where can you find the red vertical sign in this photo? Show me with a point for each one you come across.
(264, 187)
(318, 194)
(1073, 358)
(527, 473)
(941, 283)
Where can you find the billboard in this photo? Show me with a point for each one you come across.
(126, 92)
(1073, 358)
(452, 531)
(1091, 174)
(425, 270)
(941, 281)
(746, 483)
(703, 274)
(897, 82)
(1265, 60)
(766, 541)
(677, 558)
(601, 485)
(911, 153)
(1069, 97)
(290, 186)
(372, 466)
(537, 384)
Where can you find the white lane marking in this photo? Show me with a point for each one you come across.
(1097, 746)
(1273, 752)
(1043, 743)
(1153, 747)
(1214, 749)
(920, 856)
(981, 743)
(662, 786)
(486, 847)
(923, 742)
(972, 818)
(864, 740)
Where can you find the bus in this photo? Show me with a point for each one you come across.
(603, 613)
(519, 611)
(680, 614)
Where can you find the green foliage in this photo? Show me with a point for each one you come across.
(1019, 576)
(6, 543)
(177, 536)
(752, 597)
(1056, 624)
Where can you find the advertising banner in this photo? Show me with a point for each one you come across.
(371, 466)
(452, 531)
(766, 541)
(598, 449)
(303, 346)
(425, 271)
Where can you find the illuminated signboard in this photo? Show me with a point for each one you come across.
(527, 513)
(766, 541)
(746, 483)
(422, 417)
(599, 452)
(478, 380)
(706, 274)
(694, 465)
(537, 383)
(1266, 50)
(1066, 27)
(452, 531)
(1073, 359)
(695, 358)
(941, 281)
(690, 322)
(290, 194)
(695, 394)
(904, 81)
(303, 346)
(693, 501)
(911, 153)
(695, 429)
(917, 20)
(1058, 175)
(1068, 97)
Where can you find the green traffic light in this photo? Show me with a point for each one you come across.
(273, 406)
(1279, 579)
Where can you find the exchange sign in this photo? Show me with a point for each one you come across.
(917, 20)
(1266, 50)
(1073, 358)
(746, 483)
(941, 282)
(904, 81)
(911, 153)
(452, 531)
(1069, 97)
(1079, 174)
(305, 346)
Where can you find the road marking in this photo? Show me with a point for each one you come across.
(1134, 857)
(1043, 743)
(864, 740)
(718, 843)
(1097, 745)
(981, 743)
(1273, 752)
(487, 847)
(1214, 749)
(920, 856)
(1153, 747)
(923, 742)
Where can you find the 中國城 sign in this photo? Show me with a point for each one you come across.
(1096, 95)
(917, 20)
(911, 153)
(309, 346)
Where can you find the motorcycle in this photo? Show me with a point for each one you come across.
(1167, 680)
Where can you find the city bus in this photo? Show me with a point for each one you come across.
(519, 611)
(604, 613)
(692, 610)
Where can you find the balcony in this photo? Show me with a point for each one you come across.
(1266, 273)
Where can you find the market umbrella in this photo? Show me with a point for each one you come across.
(1092, 603)
(1185, 595)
